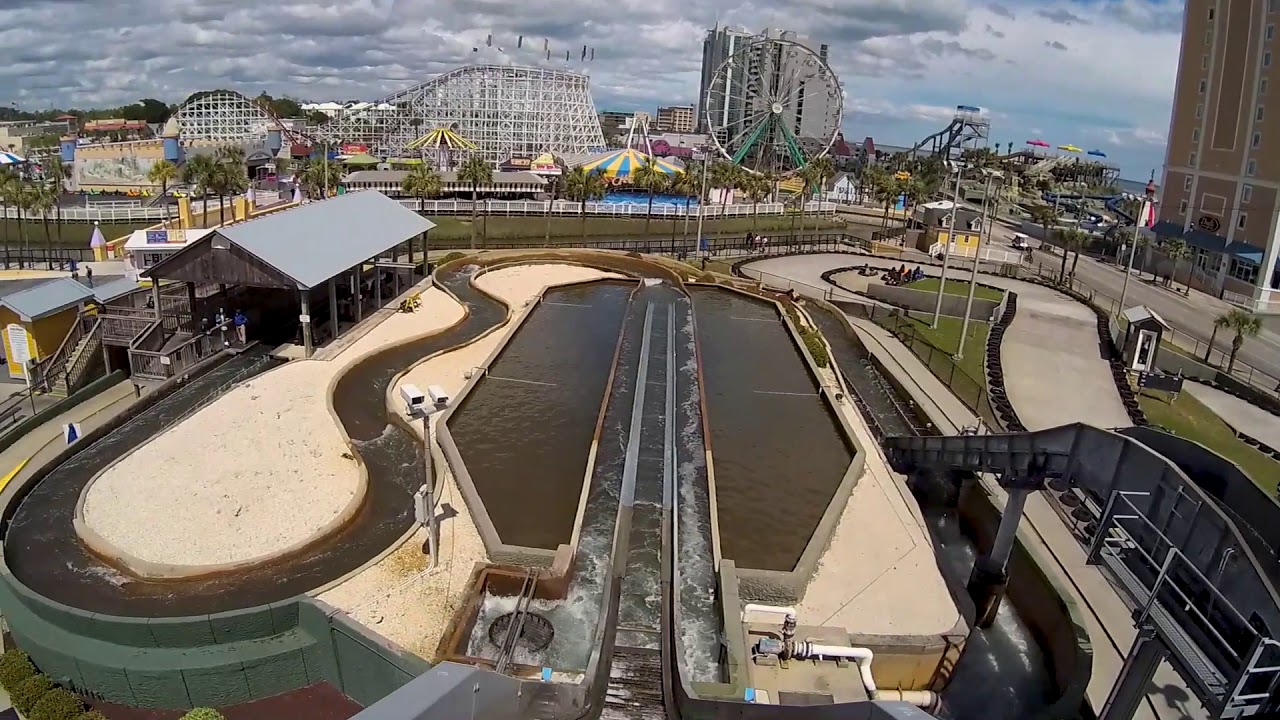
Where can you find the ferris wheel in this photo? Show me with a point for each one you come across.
(773, 106)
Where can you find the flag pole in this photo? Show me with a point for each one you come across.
(1133, 251)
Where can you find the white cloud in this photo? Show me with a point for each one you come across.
(904, 64)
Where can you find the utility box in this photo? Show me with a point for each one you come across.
(414, 401)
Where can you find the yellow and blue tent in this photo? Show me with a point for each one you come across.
(442, 139)
(622, 163)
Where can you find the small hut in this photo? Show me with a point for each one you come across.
(1144, 330)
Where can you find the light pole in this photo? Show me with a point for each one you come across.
(1133, 250)
(424, 501)
(701, 198)
(977, 255)
(946, 248)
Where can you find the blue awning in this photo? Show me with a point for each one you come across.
(1207, 241)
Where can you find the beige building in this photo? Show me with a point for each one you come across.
(675, 119)
(1221, 189)
(16, 136)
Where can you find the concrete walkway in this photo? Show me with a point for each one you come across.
(1241, 415)
(44, 442)
(1054, 371)
(1107, 617)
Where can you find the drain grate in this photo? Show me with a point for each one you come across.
(536, 634)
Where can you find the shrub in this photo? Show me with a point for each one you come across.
(817, 348)
(57, 704)
(29, 691)
(707, 277)
(203, 713)
(91, 715)
(15, 667)
(451, 257)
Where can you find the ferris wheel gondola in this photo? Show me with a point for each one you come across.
(774, 106)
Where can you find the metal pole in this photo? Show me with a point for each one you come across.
(433, 529)
(702, 200)
(973, 274)
(946, 248)
(1133, 251)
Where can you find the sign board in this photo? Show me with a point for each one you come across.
(1209, 223)
(19, 349)
(420, 506)
(304, 318)
(1160, 382)
(71, 432)
(166, 360)
(354, 148)
(157, 237)
(699, 155)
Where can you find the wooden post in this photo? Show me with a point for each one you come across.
(377, 285)
(306, 324)
(333, 306)
(355, 293)
(191, 308)
(155, 295)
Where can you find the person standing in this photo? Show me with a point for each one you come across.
(240, 322)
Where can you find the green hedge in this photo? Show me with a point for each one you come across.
(817, 348)
(203, 713)
(15, 668)
(91, 715)
(57, 704)
(29, 692)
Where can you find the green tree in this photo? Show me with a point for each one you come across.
(1046, 216)
(688, 185)
(1071, 239)
(8, 181)
(650, 178)
(161, 173)
(583, 187)
(724, 175)
(42, 201)
(475, 171)
(1241, 325)
(199, 173)
(757, 188)
(1178, 250)
(422, 182)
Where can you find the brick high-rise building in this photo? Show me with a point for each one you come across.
(1221, 189)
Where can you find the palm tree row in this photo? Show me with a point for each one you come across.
(33, 199)
(222, 174)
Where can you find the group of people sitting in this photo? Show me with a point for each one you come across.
(893, 276)
(757, 243)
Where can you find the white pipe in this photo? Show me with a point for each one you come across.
(863, 657)
(769, 609)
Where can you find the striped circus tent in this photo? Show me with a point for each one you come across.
(442, 139)
(8, 158)
(622, 163)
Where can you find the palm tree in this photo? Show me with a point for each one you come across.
(1178, 250)
(757, 189)
(689, 185)
(8, 181)
(815, 176)
(56, 173)
(42, 200)
(1242, 325)
(650, 178)
(198, 173)
(1071, 239)
(20, 198)
(888, 190)
(553, 191)
(724, 175)
(475, 171)
(1046, 216)
(422, 182)
(583, 187)
(163, 172)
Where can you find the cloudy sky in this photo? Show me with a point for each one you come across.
(1096, 73)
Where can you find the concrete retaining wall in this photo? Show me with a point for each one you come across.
(925, 301)
(88, 391)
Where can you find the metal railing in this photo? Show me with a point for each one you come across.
(157, 365)
(42, 258)
(639, 209)
(49, 370)
(1208, 635)
(970, 391)
(122, 329)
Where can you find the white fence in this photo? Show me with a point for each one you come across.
(129, 211)
(988, 254)
(639, 210)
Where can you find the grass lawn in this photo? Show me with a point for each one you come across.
(957, 287)
(533, 228)
(946, 339)
(1189, 418)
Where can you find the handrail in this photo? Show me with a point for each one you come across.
(81, 361)
(47, 366)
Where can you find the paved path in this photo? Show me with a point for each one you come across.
(1054, 371)
(1107, 617)
(1240, 415)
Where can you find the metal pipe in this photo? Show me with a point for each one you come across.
(863, 657)
(768, 609)
(1133, 251)
(973, 274)
(946, 248)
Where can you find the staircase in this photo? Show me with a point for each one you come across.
(82, 358)
(635, 687)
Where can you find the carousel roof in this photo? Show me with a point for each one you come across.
(442, 138)
(623, 162)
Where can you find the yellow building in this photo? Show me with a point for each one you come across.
(37, 319)
(938, 219)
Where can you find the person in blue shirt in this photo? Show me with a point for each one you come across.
(240, 321)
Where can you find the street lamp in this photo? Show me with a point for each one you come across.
(703, 154)
(946, 247)
(424, 501)
(992, 176)
(1133, 249)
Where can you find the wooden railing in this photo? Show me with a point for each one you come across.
(50, 369)
(81, 362)
(123, 329)
(156, 365)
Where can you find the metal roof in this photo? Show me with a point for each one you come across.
(108, 291)
(446, 177)
(46, 298)
(1139, 313)
(318, 240)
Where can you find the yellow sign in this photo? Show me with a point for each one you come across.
(902, 175)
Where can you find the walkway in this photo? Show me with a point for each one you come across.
(1241, 415)
(1107, 617)
(1054, 371)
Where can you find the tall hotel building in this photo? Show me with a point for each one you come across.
(1221, 189)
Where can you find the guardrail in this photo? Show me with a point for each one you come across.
(639, 209)
(125, 211)
(156, 365)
